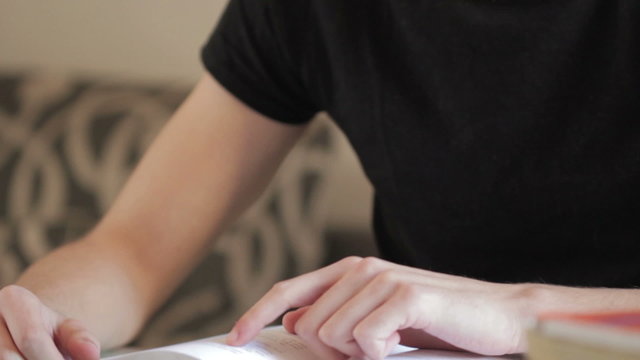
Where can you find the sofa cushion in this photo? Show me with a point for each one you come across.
(66, 147)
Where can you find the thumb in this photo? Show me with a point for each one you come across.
(75, 341)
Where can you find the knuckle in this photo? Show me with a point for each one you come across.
(369, 265)
(410, 292)
(281, 288)
(304, 329)
(11, 292)
(328, 335)
(386, 277)
(31, 341)
(12, 296)
(351, 260)
(368, 341)
(362, 334)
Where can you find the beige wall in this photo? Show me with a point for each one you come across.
(154, 40)
(149, 39)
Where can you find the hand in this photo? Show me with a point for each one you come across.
(362, 308)
(30, 330)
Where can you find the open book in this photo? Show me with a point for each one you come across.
(273, 344)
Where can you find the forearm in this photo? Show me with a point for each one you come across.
(95, 283)
(540, 298)
(212, 159)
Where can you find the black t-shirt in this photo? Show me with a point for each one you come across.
(502, 137)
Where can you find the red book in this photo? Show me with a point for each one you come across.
(606, 335)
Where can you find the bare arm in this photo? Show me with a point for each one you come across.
(212, 159)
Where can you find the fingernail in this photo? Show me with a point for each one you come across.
(232, 337)
(92, 342)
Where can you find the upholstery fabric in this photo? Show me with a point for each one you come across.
(67, 146)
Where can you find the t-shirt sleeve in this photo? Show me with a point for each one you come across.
(251, 55)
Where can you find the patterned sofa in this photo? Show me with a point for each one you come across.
(67, 146)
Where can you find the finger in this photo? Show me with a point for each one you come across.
(315, 343)
(404, 309)
(36, 345)
(291, 318)
(297, 292)
(8, 350)
(289, 322)
(311, 327)
(76, 341)
(338, 330)
(30, 325)
(392, 342)
(343, 290)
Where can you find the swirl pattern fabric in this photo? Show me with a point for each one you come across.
(68, 145)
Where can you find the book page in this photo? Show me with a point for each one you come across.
(272, 344)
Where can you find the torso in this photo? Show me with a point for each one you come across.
(502, 138)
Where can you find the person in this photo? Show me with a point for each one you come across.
(502, 139)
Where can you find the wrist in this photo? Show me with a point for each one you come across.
(532, 299)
